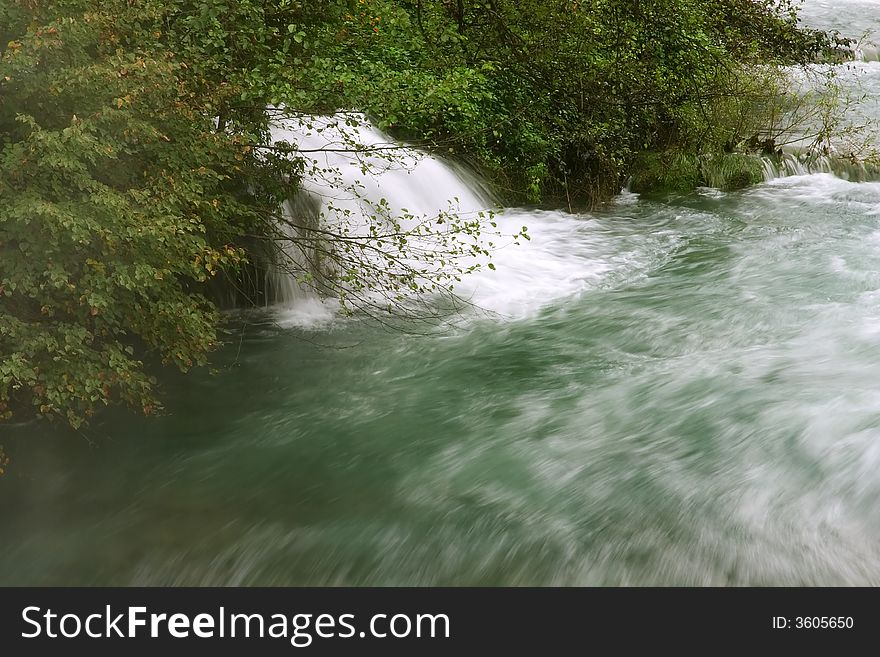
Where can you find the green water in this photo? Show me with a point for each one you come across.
(678, 393)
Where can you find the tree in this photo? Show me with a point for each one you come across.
(118, 198)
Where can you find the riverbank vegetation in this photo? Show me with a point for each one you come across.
(134, 167)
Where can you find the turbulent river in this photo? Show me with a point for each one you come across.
(678, 392)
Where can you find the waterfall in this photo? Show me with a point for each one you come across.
(803, 164)
(356, 182)
(356, 177)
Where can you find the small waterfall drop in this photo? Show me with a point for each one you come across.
(804, 164)
(357, 182)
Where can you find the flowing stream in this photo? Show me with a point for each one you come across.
(679, 392)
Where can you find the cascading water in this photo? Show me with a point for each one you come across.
(352, 166)
(803, 164)
(667, 393)
(354, 172)
(357, 181)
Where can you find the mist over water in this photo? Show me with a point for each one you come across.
(685, 392)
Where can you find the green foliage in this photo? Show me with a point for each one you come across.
(731, 171)
(117, 199)
(557, 99)
(676, 172)
(665, 172)
(769, 31)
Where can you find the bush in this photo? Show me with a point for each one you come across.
(731, 171)
(118, 200)
(663, 173)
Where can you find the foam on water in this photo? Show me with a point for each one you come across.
(530, 274)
